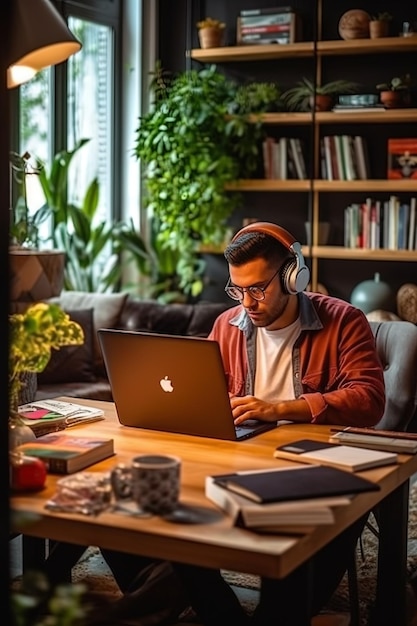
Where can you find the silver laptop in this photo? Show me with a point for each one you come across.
(171, 383)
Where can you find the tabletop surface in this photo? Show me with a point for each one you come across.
(209, 538)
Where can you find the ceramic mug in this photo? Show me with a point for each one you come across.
(156, 482)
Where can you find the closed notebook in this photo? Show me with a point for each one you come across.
(335, 455)
(284, 517)
(65, 454)
(388, 440)
(296, 483)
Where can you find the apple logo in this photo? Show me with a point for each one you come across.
(166, 384)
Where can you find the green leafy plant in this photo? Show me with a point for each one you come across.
(32, 335)
(24, 226)
(298, 98)
(258, 97)
(191, 150)
(37, 603)
(382, 16)
(397, 83)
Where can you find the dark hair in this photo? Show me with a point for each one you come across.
(254, 245)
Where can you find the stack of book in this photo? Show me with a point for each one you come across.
(47, 416)
(285, 500)
(267, 26)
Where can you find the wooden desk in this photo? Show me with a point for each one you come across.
(214, 542)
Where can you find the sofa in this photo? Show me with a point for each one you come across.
(79, 371)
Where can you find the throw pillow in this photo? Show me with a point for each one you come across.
(107, 308)
(72, 363)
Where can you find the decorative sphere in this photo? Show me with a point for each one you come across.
(373, 294)
(354, 24)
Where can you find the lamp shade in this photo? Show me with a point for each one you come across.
(39, 37)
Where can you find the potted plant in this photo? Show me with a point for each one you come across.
(191, 148)
(395, 93)
(211, 32)
(36, 273)
(379, 25)
(33, 334)
(307, 96)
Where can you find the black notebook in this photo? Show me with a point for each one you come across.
(298, 483)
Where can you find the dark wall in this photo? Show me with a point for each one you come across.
(178, 33)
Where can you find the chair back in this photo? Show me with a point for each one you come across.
(396, 343)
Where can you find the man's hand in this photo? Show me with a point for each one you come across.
(248, 407)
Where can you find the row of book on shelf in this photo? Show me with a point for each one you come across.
(275, 25)
(375, 224)
(283, 158)
(344, 157)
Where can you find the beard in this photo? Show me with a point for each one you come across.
(267, 316)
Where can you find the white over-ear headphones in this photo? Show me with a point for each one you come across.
(295, 274)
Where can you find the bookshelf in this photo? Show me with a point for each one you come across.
(325, 200)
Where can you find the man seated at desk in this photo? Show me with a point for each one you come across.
(288, 355)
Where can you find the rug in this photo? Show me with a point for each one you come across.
(93, 570)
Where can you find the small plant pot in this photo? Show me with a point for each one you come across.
(378, 28)
(321, 102)
(392, 99)
(211, 37)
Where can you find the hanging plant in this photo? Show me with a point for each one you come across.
(191, 149)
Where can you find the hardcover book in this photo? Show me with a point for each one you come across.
(65, 454)
(388, 440)
(297, 483)
(331, 454)
(292, 517)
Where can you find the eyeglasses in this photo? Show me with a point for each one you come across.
(255, 292)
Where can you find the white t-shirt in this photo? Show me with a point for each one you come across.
(274, 371)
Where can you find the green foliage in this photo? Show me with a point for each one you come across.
(36, 603)
(258, 98)
(382, 16)
(297, 98)
(191, 149)
(397, 83)
(32, 336)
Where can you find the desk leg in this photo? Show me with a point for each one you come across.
(286, 602)
(390, 605)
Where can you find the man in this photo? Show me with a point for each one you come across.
(288, 355)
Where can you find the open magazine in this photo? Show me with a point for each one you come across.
(45, 416)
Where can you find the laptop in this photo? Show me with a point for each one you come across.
(171, 383)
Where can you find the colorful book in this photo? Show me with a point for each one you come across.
(296, 483)
(334, 455)
(65, 454)
(402, 158)
(266, 11)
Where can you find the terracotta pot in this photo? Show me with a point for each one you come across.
(321, 102)
(378, 28)
(392, 99)
(211, 37)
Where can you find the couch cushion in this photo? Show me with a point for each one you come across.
(72, 363)
(106, 312)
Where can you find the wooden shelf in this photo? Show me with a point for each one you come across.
(360, 186)
(263, 184)
(380, 116)
(361, 254)
(228, 54)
